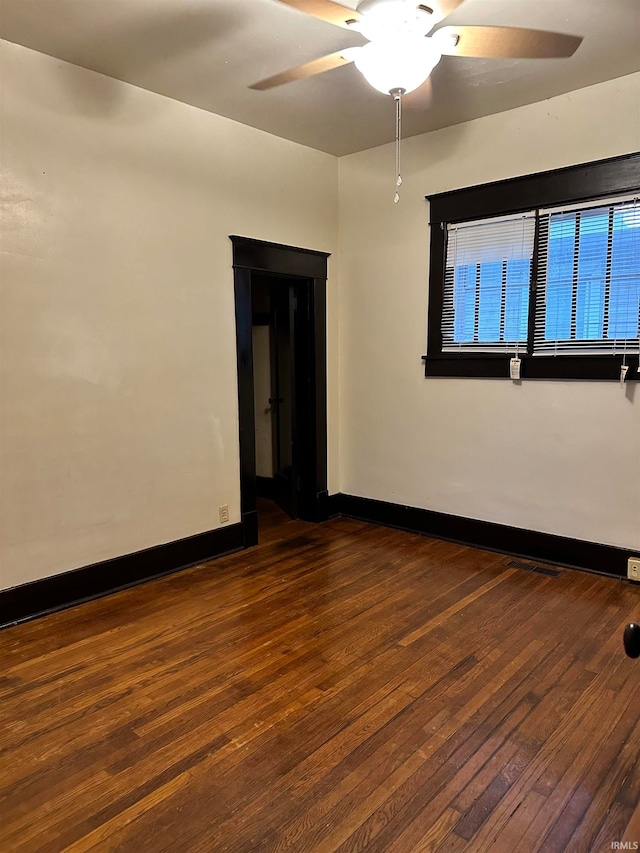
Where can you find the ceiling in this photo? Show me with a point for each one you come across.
(207, 52)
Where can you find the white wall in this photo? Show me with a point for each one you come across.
(560, 457)
(118, 388)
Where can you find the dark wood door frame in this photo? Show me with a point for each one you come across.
(256, 256)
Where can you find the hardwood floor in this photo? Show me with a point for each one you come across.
(340, 687)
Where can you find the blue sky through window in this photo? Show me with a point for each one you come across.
(582, 301)
(502, 313)
(624, 297)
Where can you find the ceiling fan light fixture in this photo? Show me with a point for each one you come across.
(384, 18)
(403, 50)
(403, 63)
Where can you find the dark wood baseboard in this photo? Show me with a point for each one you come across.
(250, 528)
(516, 541)
(58, 592)
(333, 505)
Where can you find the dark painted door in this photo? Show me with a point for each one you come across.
(283, 401)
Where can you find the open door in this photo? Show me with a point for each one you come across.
(283, 401)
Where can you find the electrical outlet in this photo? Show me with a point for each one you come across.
(633, 568)
(224, 517)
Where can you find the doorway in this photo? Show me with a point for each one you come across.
(281, 365)
(280, 297)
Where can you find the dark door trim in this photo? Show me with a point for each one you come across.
(258, 256)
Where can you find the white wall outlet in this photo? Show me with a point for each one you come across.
(224, 517)
(633, 568)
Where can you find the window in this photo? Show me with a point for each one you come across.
(588, 282)
(486, 289)
(556, 282)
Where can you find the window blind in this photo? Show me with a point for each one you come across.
(588, 279)
(487, 280)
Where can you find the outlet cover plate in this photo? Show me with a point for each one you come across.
(633, 568)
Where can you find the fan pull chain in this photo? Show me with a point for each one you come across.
(397, 97)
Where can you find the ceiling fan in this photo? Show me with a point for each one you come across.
(403, 48)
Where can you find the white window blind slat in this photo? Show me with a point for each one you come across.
(487, 281)
(588, 281)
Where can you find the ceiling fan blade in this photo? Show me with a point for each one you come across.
(326, 10)
(309, 69)
(442, 8)
(504, 42)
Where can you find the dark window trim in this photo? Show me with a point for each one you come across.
(571, 184)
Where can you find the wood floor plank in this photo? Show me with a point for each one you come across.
(340, 687)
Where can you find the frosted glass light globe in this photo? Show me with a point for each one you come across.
(398, 63)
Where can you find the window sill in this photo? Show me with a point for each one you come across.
(595, 368)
